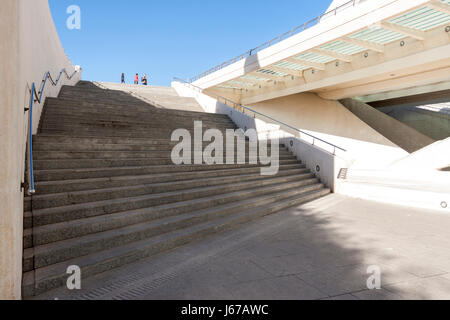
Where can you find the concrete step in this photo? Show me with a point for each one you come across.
(53, 112)
(87, 173)
(138, 122)
(43, 279)
(87, 146)
(114, 132)
(111, 163)
(92, 140)
(55, 116)
(105, 96)
(113, 106)
(112, 182)
(102, 93)
(52, 185)
(119, 131)
(52, 155)
(51, 236)
(86, 196)
(27, 219)
(91, 209)
(150, 89)
(43, 218)
(120, 113)
(53, 121)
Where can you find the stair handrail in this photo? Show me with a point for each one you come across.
(275, 40)
(241, 108)
(36, 96)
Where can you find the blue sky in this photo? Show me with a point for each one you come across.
(171, 38)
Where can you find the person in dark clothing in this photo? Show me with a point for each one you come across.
(136, 79)
(144, 80)
(123, 78)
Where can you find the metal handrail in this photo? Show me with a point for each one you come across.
(239, 107)
(36, 96)
(275, 40)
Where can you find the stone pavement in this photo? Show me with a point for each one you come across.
(316, 251)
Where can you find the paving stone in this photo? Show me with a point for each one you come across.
(278, 288)
(381, 294)
(434, 288)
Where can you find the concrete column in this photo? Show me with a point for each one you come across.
(11, 152)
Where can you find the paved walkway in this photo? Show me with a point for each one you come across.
(317, 251)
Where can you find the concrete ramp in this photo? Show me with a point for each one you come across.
(433, 157)
(431, 192)
(418, 180)
(160, 97)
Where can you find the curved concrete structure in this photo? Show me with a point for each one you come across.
(29, 47)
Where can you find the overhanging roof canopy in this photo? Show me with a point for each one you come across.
(351, 51)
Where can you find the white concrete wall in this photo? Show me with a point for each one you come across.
(323, 164)
(29, 47)
(332, 122)
(366, 149)
(313, 156)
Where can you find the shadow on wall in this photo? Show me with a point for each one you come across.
(432, 123)
(115, 95)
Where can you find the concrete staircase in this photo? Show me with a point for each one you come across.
(108, 193)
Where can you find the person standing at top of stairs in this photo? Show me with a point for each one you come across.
(123, 78)
(136, 79)
(144, 80)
